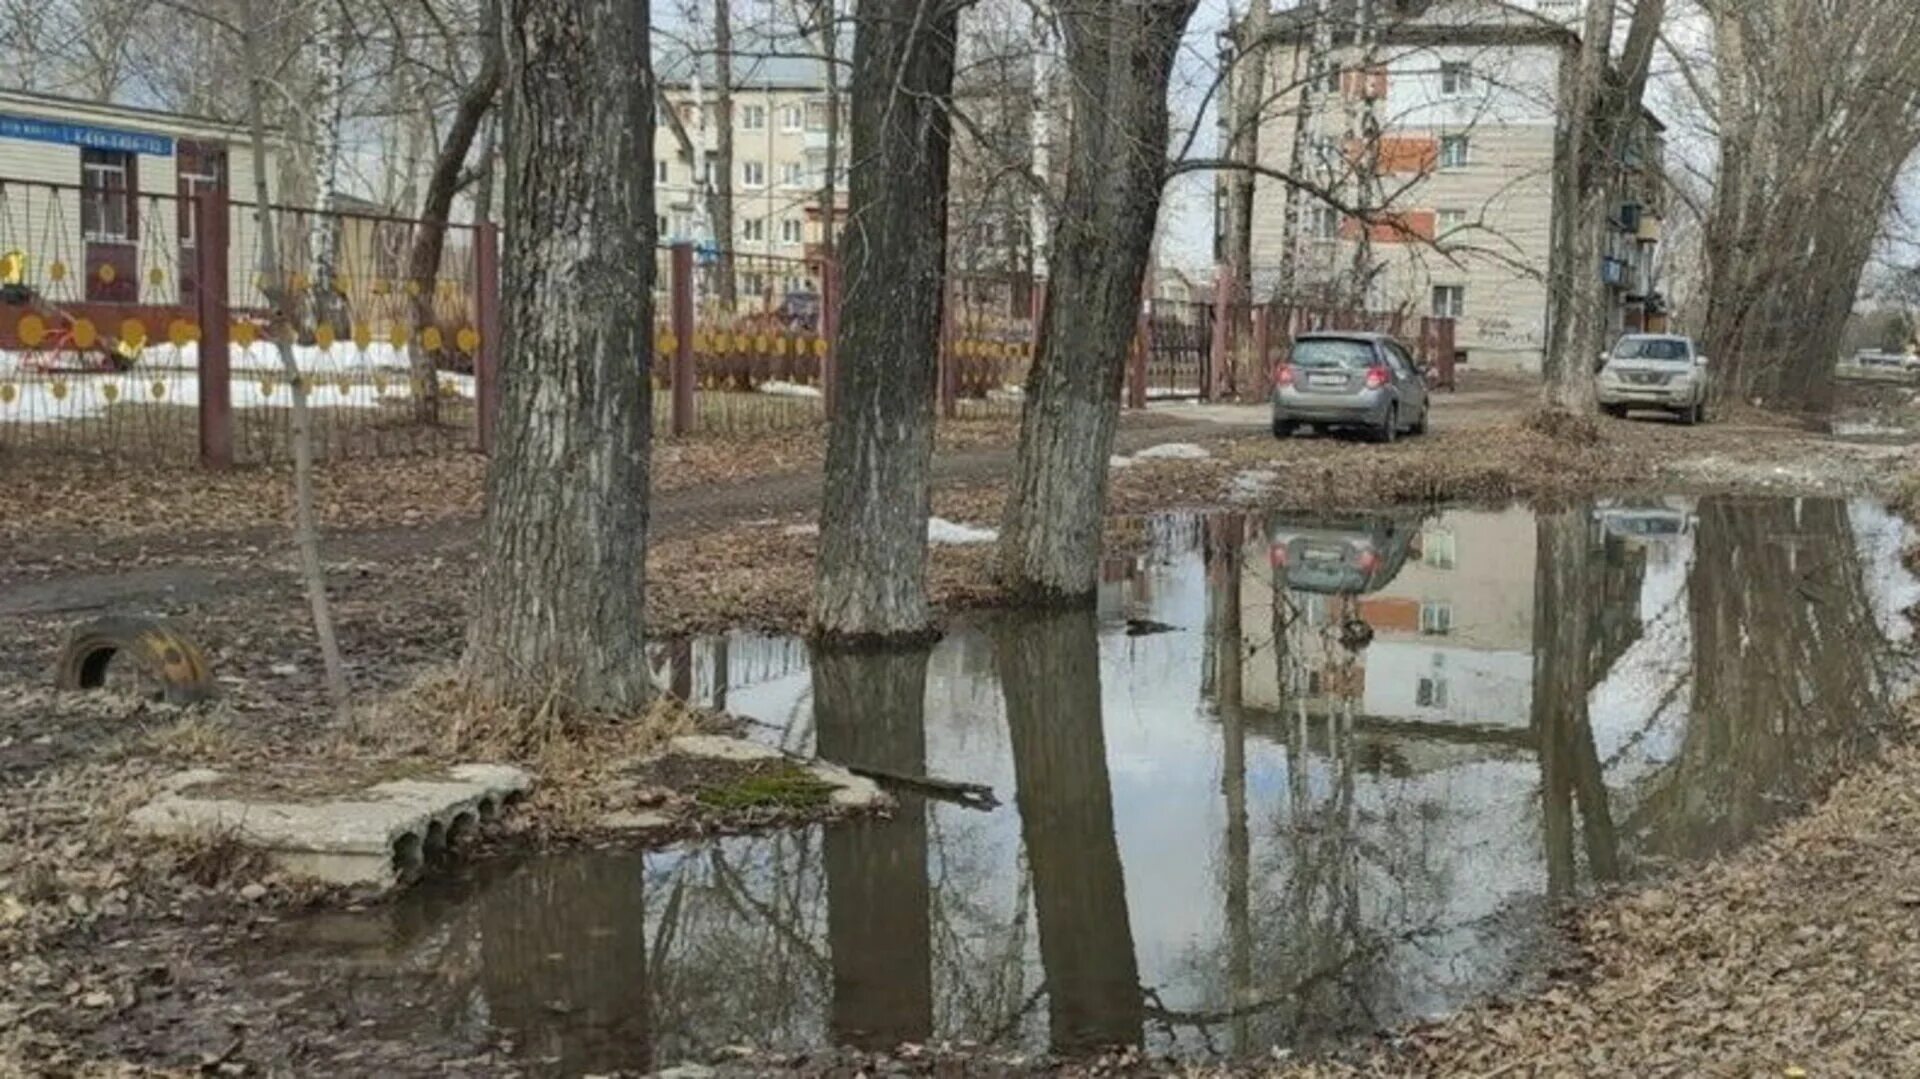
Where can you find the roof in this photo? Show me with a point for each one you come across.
(129, 114)
(759, 60)
(1429, 22)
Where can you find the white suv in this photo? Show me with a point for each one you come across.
(1655, 371)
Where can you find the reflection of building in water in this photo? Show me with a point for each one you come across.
(1452, 629)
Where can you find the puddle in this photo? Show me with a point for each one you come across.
(1339, 786)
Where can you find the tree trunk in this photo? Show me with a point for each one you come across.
(1308, 79)
(323, 228)
(1243, 146)
(830, 186)
(1118, 59)
(430, 238)
(873, 522)
(724, 238)
(306, 523)
(1050, 672)
(559, 612)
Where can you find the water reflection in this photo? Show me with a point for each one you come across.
(1341, 793)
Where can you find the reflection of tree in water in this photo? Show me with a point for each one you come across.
(1788, 679)
(1050, 671)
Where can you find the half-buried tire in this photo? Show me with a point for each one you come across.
(161, 655)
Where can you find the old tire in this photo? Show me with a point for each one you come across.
(163, 657)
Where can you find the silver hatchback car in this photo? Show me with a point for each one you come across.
(1339, 379)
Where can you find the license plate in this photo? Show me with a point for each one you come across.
(1323, 555)
(1331, 381)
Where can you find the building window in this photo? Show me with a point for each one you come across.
(753, 117)
(790, 231)
(816, 116)
(791, 118)
(752, 284)
(1323, 222)
(753, 173)
(1330, 82)
(1456, 78)
(1454, 152)
(793, 174)
(660, 227)
(1432, 692)
(1436, 618)
(753, 229)
(663, 172)
(1449, 301)
(796, 284)
(106, 195)
(1438, 549)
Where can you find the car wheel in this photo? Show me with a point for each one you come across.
(1284, 429)
(1389, 431)
(1420, 425)
(1618, 412)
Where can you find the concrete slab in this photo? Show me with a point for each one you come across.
(380, 835)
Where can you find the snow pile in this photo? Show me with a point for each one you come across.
(1119, 462)
(787, 389)
(1253, 485)
(942, 531)
(1173, 451)
(801, 530)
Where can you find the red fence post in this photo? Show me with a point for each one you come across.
(215, 314)
(1262, 375)
(683, 374)
(829, 330)
(1220, 349)
(486, 307)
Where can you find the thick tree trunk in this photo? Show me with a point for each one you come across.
(873, 522)
(870, 711)
(559, 612)
(430, 237)
(1118, 59)
(1050, 672)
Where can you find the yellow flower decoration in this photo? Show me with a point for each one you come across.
(57, 271)
(133, 332)
(85, 334)
(362, 336)
(267, 386)
(156, 276)
(110, 391)
(158, 389)
(820, 347)
(182, 333)
(32, 330)
(323, 336)
(244, 334)
(379, 383)
(58, 390)
(7, 393)
(344, 386)
(107, 273)
(430, 339)
(467, 340)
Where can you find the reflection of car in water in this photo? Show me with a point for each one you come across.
(1342, 556)
(1649, 522)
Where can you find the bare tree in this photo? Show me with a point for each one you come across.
(559, 614)
(723, 230)
(1600, 113)
(1119, 57)
(873, 522)
(1248, 86)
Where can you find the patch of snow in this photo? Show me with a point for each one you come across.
(1253, 485)
(801, 530)
(787, 389)
(940, 530)
(1120, 462)
(1173, 451)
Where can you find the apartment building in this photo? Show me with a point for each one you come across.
(1439, 121)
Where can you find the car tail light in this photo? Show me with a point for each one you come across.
(1277, 556)
(1283, 375)
(1376, 377)
(1368, 561)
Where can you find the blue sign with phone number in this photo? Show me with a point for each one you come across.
(93, 138)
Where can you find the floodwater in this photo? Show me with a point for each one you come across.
(1297, 780)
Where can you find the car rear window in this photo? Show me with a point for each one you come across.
(1651, 348)
(1327, 354)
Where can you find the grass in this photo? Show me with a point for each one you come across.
(776, 786)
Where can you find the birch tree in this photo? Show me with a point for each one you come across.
(873, 523)
(1119, 57)
(559, 613)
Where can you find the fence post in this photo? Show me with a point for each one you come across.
(683, 375)
(214, 314)
(829, 331)
(1262, 374)
(486, 307)
(1220, 349)
(1142, 346)
(949, 364)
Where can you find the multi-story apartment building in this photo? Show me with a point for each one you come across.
(1438, 121)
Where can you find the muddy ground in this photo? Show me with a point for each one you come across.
(114, 950)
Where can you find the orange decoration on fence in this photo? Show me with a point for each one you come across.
(158, 389)
(58, 390)
(57, 271)
(107, 273)
(133, 332)
(244, 334)
(362, 336)
(397, 336)
(85, 335)
(820, 347)
(430, 339)
(110, 391)
(156, 276)
(181, 332)
(32, 330)
(467, 340)
(7, 393)
(267, 386)
(323, 336)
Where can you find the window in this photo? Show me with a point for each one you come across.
(793, 174)
(753, 173)
(1436, 618)
(753, 228)
(1330, 82)
(663, 172)
(790, 231)
(660, 228)
(1449, 301)
(1438, 549)
(753, 284)
(1450, 220)
(816, 116)
(753, 117)
(1432, 692)
(795, 284)
(1454, 152)
(791, 118)
(1323, 222)
(106, 195)
(1456, 78)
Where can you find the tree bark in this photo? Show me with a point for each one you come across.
(323, 228)
(1118, 59)
(559, 613)
(724, 238)
(430, 238)
(873, 522)
(830, 184)
(1243, 146)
